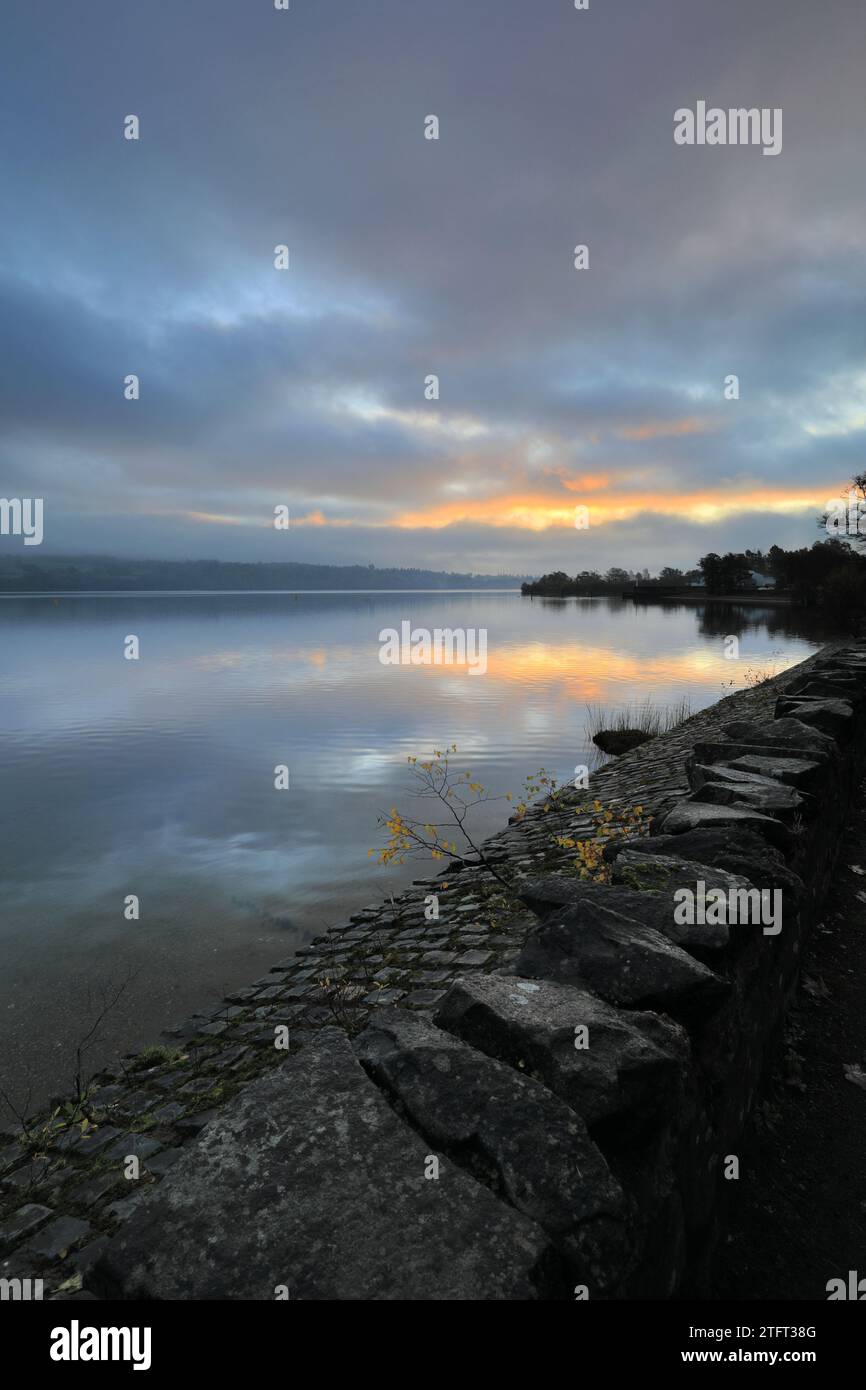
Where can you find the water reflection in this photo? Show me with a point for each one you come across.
(156, 777)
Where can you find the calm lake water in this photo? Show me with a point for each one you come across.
(156, 777)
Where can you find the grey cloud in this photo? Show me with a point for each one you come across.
(411, 257)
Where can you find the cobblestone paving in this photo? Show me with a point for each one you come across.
(63, 1186)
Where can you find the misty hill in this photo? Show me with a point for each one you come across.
(46, 573)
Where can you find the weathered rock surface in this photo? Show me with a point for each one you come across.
(643, 870)
(700, 815)
(737, 851)
(806, 773)
(624, 961)
(834, 717)
(665, 875)
(650, 902)
(627, 1076)
(313, 1183)
(699, 773)
(790, 733)
(839, 683)
(783, 802)
(509, 1132)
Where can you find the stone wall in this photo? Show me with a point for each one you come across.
(538, 1093)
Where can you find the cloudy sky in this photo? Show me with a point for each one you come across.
(602, 387)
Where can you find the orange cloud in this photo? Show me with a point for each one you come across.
(543, 511)
(318, 518)
(587, 482)
(667, 429)
(539, 512)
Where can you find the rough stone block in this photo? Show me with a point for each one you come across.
(621, 959)
(700, 773)
(509, 1132)
(779, 801)
(54, 1240)
(833, 717)
(806, 773)
(134, 1145)
(97, 1141)
(22, 1222)
(87, 1194)
(792, 734)
(663, 874)
(698, 815)
(847, 684)
(625, 1079)
(839, 683)
(737, 851)
(311, 1181)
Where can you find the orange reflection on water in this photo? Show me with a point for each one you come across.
(580, 671)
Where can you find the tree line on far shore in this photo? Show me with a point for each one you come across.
(829, 574)
(100, 573)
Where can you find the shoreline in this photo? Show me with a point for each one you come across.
(763, 600)
(771, 600)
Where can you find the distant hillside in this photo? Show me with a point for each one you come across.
(45, 573)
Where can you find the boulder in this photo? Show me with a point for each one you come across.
(787, 733)
(310, 1181)
(805, 773)
(621, 960)
(831, 685)
(832, 717)
(784, 803)
(700, 773)
(737, 851)
(508, 1131)
(795, 772)
(647, 897)
(624, 1081)
(665, 874)
(698, 815)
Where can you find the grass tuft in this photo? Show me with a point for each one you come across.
(648, 718)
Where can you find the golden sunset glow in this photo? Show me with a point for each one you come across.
(538, 512)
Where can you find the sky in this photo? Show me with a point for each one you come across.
(559, 388)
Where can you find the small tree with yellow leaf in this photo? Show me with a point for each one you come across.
(457, 793)
(444, 833)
